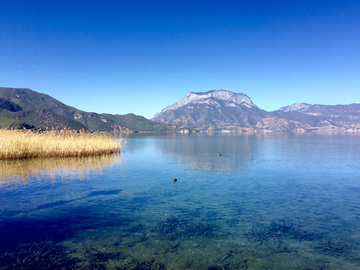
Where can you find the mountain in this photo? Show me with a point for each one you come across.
(225, 110)
(11, 123)
(214, 94)
(350, 113)
(213, 109)
(21, 107)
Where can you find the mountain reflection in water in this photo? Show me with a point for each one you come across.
(219, 153)
(19, 172)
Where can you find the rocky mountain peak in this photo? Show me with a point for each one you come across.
(192, 97)
(295, 107)
(225, 111)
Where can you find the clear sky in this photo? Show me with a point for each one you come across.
(140, 56)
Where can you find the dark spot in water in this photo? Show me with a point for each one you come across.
(307, 235)
(259, 235)
(215, 268)
(139, 200)
(103, 192)
(58, 203)
(92, 194)
(232, 222)
(143, 265)
(280, 228)
(135, 229)
(118, 243)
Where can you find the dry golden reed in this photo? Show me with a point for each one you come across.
(20, 144)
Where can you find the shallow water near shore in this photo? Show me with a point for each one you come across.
(265, 201)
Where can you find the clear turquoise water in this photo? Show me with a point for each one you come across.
(270, 201)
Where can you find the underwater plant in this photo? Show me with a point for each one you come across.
(334, 249)
(179, 227)
(281, 230)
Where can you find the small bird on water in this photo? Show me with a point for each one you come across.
(175, 180)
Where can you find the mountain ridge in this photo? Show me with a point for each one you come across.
(217, 110)
(32, 109)
(207, 112)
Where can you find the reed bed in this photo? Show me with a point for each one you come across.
(22, 144)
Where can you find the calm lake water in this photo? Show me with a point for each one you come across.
(270, 201)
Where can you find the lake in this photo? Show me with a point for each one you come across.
(256, 201)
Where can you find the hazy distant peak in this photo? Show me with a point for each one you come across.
(295, 107)
(226, 95)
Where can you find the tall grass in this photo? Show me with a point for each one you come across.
(20, 144)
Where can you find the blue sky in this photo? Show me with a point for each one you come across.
(140, 56)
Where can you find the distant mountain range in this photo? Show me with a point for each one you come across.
(217, 110)
(224, 110)
(24, 108)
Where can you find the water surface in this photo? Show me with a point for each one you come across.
(267, 201)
